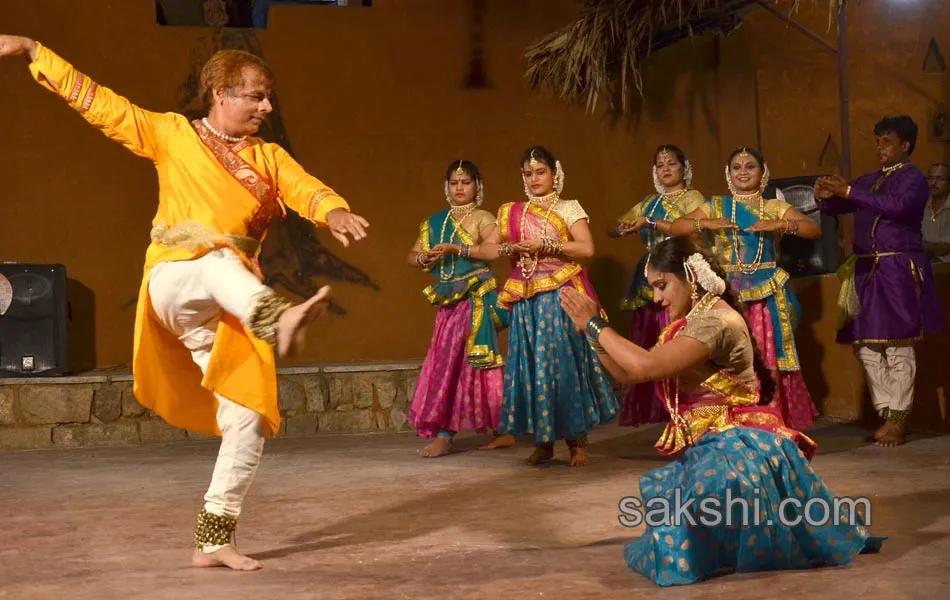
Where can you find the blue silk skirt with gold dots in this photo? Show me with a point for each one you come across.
(555, 388)
(723, 534)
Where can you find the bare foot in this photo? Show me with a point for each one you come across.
(500, 441)
(225, 557)
(882, 431)
(292, 324)
(578, 457)
(541, 454)
(893, 437)
(440, 446)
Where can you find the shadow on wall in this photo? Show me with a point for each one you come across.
(81, 302)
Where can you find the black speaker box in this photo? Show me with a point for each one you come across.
(801, 257)
(34, 330)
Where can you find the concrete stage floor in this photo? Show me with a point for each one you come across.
(362, 517)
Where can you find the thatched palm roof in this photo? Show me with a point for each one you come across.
(602, 50)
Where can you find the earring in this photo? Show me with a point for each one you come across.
(694, 294)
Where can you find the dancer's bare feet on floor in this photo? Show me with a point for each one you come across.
(225, 557)
(578, 457)
(882, 431)
(541, 454)
(440, 446)
(894, 436)
(500, 441)
(293, 322)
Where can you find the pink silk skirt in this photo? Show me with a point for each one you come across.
(452, 395)
(791, 395)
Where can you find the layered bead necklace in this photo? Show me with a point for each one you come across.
(673, 408)
(748, 199)
(529, 264)
(670, 197)
(460, 213)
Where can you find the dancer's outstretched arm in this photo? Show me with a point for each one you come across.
(139, 130)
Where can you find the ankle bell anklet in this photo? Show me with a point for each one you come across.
(266, 308)
(213, 530)
(898, 417)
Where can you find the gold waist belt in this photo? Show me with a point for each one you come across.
(742, 267)
(193, 235)
(878, 254)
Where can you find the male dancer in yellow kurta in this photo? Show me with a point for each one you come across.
(206, 327)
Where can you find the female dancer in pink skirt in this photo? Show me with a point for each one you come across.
(652, 218)
(746, 229)
(461, 383)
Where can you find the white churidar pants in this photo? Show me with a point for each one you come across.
(890, 373)
(188, 297)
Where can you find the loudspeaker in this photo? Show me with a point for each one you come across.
(34, 329)
(801, 257)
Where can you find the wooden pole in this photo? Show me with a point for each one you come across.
(844, 99)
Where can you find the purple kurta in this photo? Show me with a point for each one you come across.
(898, 297)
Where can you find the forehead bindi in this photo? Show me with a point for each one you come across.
(748, 165)
(539, 169)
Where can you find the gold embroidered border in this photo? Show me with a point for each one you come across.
(77, 87)
(424, 236)
(730, 387)
(90, 96)
(315, 200)
(718, 211)
(434, 298)
(790, 362)
(744, 267)
(237, 167)
(481, 356)
(514, 290)
(554, 219)
(503, 219)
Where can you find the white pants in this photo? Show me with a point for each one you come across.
(890, 373)
(188, 297)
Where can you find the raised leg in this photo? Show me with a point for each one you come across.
(188, 297)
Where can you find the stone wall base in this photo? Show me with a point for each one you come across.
(101, 410)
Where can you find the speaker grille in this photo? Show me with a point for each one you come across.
(33, 331)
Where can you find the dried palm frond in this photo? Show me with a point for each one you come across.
(603, 48)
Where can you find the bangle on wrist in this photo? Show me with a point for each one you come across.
(594, 326)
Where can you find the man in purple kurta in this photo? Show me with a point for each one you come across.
(888, 299)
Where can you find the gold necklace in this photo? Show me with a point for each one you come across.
(759, 235)
(892, 168)
(705, 303)
(529, 264)
(467, 209)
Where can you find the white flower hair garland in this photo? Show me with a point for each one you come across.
(699, 271)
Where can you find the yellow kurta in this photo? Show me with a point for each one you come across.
(205, 183)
